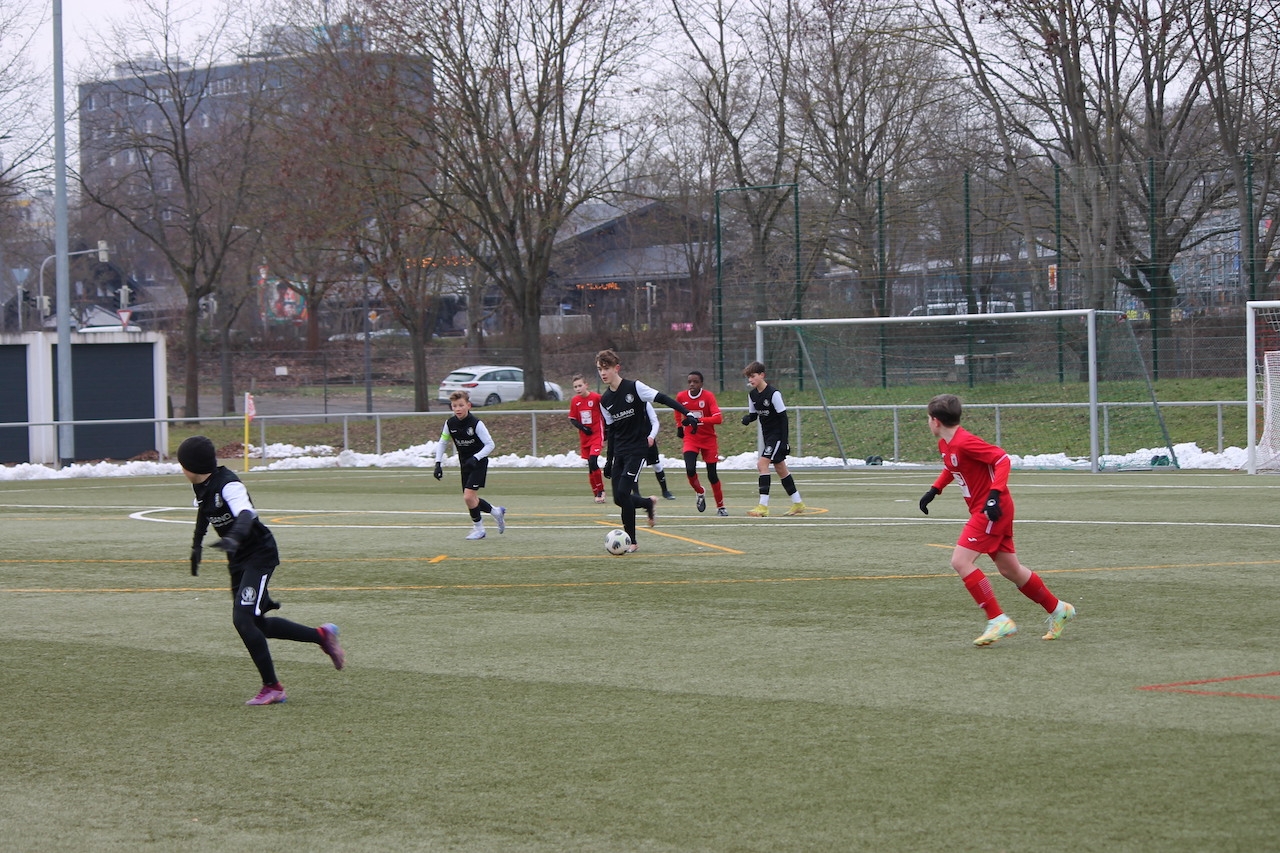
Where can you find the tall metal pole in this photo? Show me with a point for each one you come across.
(798, 311)
(1157, 296)
(1057, 260)
(66, 432)
(1251, 243)
(719, 300)
(368, 358)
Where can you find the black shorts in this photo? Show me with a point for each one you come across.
(474, 477)
(776, 451)
(249, 585)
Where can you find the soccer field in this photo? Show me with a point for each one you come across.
(779, 684)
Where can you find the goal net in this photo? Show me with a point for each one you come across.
(1262, 368)
(1024, 377)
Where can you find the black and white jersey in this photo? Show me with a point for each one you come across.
(219, 500)
(627, 413)
(767, 403)
(469, 435)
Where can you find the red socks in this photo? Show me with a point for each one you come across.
(1035, 590)
(980, 588)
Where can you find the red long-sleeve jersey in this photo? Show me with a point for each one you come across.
(977, 466)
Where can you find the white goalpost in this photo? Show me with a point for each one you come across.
(1040, 348)
(1262, 355)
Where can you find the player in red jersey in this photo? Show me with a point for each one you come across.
(702, 404)
(982, 471)
(584, 413)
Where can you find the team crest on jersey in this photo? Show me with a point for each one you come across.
(248, 595)
(217, 500)
(471, 431)
(630, 398)
(955, 463)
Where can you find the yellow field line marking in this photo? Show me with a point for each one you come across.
(679, 538)
(621, 583)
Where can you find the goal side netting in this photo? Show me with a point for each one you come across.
(1034, 380)
(1262, 372)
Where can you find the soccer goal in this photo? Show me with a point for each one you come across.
(1056, 356)
(1262, 359)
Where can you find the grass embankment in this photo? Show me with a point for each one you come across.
(1054, 429)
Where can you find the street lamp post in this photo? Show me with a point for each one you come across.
(103, 255)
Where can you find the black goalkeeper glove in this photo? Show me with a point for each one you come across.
(691, 422)
(196, 552)
(439, 472)
(749, 417)
(679, 432)
(992, 508)
(928, 498)
(228, 544)
(607, 470)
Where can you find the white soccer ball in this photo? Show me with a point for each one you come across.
(616, 542)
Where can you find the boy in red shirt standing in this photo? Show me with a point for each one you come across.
(982, 470)
(584, 413)
(703, 442)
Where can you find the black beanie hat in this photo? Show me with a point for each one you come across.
(197, 455)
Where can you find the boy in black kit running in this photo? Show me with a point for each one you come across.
(474, 444)
(252, 557)
(625, 405)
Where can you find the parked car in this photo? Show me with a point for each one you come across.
(491, 384)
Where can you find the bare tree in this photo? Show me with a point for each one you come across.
(170, 149)
(1237, 42)
(24, 136)
(522, 95)
(878, 106)
(1110, 92)
(743, 57)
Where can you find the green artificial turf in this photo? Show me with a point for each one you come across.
(738, 685)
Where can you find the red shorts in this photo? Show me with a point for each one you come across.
(590, 445)
(710, 453)
(986, 536)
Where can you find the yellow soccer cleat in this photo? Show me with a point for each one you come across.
(1001, 626)
(1058, 620)
(796, 509)
(761, 511)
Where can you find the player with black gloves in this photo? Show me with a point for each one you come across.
(982, 470)
(471, 438)
(625, 407)
(252, 557)
(764, 402)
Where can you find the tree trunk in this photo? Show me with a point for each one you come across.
(191, 337)
(228, 381)
(421, 390)
(531, 345)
